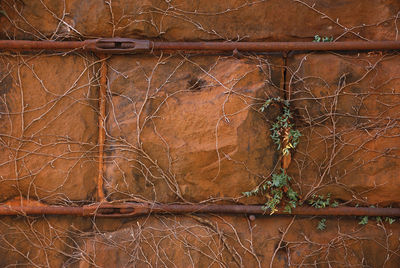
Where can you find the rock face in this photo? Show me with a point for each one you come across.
(275, 20)
(188, 150)
(35, 242)
(348, 110)
(194, 241)
(188, 129)
(234, 242)
(47, 127)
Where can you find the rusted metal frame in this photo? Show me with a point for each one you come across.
(102, 132)
(40, 210)
(126, 45)
(126, 210)
(123, 45)
(26, 45)
(278, 46)
(284, 94)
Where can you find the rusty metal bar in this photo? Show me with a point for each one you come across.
(126, 45)
(102, 132)
(25, 45)
(40, 210)
(278, 46)
(126, 210)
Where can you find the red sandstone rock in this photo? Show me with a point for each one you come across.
(236, 242)
(177, 149)
(347, 109)
(275, 20)
(200, 134)
(48, 128)
(40, 242)
(185, 241)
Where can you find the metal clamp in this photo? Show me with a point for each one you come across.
(108, 210)
(121, 45)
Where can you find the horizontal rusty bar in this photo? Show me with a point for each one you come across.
(301, 211)
(128, 46)
(125, 210)
(278, 46)
(40, 210)
(26, 45)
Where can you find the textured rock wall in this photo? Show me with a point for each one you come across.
(348, 110)
(196, 241)
(48, 128)
(187, 128)
(275, 20)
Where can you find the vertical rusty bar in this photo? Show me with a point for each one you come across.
(283, 76)
(286, 85)
(285, 94)
(102, 132)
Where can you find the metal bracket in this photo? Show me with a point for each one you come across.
(121, 45)
(109, 210)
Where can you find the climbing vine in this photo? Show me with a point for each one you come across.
(283, 133)
(277, 189)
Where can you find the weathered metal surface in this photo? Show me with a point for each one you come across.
(126, 45)
(40, 210)
(102, 132)
(124, 210)
(278, 46)
(26, 45)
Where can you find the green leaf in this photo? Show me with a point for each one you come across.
(265, 187)
(292, 204)
(292, 194)
(364, 220)
(279, 180)
(390, 220)
(247, 194)
(321, 224)
(288, 209)
(335, 204)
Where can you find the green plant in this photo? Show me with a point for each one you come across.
(321, 224)
(276, 190)
(283, 133)
(389, 220)
(364, 220)
(318, 38)
(269, 101)
(319, 201)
